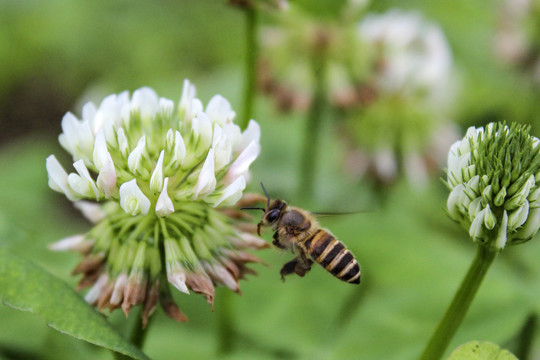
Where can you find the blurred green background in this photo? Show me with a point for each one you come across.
(55, 53)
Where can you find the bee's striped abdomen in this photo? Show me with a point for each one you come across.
(325, 249)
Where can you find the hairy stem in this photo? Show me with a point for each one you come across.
(250, 76)
(463, 298)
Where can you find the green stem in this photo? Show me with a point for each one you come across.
(313, 128)
(250, 77)
(137, 335)
(226, 330)
(455, 313)
(526, 337)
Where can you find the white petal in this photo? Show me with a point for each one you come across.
(185, 106)
(188, 93)
(529, 229)
(119, 285)
(221, 275)
(166, 108)
(90, 210)
(222, 148)
(240, 166)
(219, 110)
(202, 130)
(178, 279)
(453, 157)
(164, 205)
(477, 226)
(93, 294)
(489, 219)
(101, 153)
(89, 111)
(69, 138)
(206, 182)
(252, 133)
(82, 183)
(169, 140)
(83, 172)
(232, 193)
(123, 144)
(474, 208)
(79, 135)
(145, 100)
(196, 108)
(109, 130)
(58, 178)
(519, 216)
(106, 180)
(132, 199)
(179, 152)
(70, 243)
(502, 236)
(156, 180)
(455, 201)
(134, 158)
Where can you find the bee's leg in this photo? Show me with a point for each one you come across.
(307, 262)
(288, 268)
(276, 241)
(299, 265)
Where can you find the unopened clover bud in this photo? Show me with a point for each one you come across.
(164, 205)
(156, 180)
(135, 157)
(495, 170)
(179, 150)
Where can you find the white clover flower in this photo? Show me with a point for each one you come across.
(153, 178)
(493, 176)
(415, 54)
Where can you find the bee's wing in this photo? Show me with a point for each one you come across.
(336, 213)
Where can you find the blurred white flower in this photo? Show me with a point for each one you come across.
(413, 54)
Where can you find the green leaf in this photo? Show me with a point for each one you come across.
(27, 287)
(480, 350)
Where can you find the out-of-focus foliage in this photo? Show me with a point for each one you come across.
(412, 255)
(481, 351)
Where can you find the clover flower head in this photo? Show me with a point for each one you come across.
(154, 177)
(412, 53)
(493, 175)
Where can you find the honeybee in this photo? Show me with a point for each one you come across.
(297, 230)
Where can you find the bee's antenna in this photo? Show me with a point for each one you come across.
(252, 208)
(266, 193)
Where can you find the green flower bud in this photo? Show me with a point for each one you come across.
(494, 168)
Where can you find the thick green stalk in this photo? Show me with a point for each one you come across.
(313, 128)
(137, 335)
(455, 313)
(250, 75)
(225, 326)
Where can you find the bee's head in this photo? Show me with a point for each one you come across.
(272, 212)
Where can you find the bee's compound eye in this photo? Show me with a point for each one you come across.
(272, 215)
